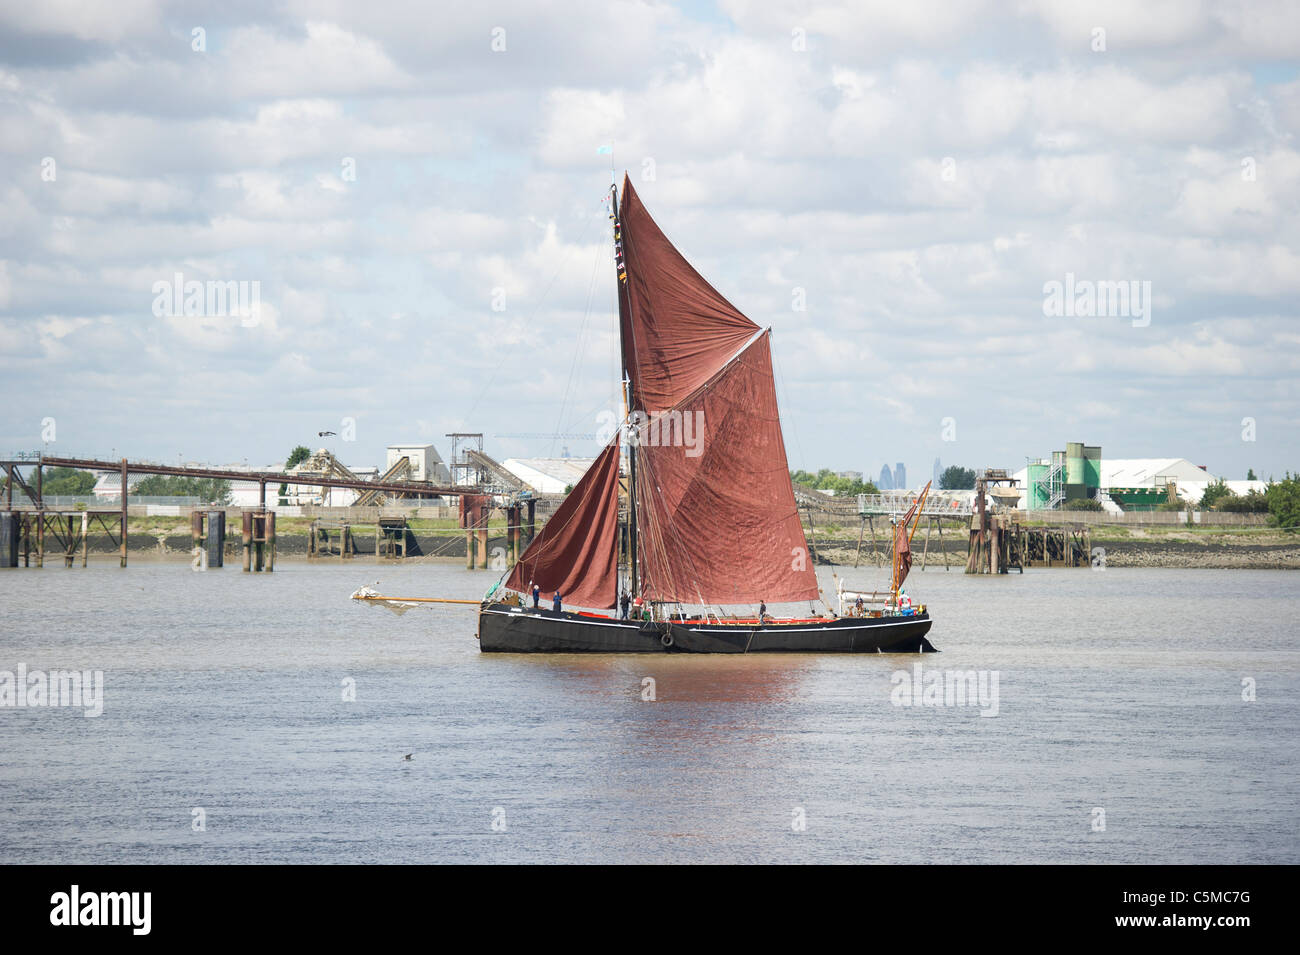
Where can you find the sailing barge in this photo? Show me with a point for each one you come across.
(711, 513)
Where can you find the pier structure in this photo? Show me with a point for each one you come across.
(494, 488)
(890, 507)
(1000, 540)
(24, 528)
(257, 540)
(391, 535)
(208, 531)
(37, 520)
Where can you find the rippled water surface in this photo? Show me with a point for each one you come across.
(1119, 690)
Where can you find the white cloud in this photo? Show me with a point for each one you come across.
(772, 168)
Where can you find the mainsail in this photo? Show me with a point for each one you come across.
(576, 552)
(717, 518)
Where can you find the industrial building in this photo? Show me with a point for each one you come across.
(426, 463)
(548, 475)
(1119, 484)
(1069, 475)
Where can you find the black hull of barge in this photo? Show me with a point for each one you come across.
(506, 629)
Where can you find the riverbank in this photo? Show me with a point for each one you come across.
(1213, 548)
(1173, 547)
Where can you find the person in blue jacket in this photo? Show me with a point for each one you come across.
(556, 602)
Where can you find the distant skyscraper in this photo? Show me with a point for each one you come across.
(938, 473)
(900, 477)
(886, 479)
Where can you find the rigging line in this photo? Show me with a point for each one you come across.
(589, 414)
(578, 350)
(499, 365)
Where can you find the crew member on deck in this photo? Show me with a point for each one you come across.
(555, 604)
(537, 595)
(857, 606)
(762, 612)
(624, 602)
(904, 603)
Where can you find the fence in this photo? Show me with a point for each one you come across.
(1159, 518)
(77, 502)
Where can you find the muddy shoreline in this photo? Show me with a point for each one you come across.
(1282, 554)
(1276, 552)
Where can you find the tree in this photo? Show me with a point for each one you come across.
(66, 481)
(207, 490)
(1252, 502)
(1284, 501)
(828, 480)
(1250, 475)
(956, 478)
(1214, 492)
(1082, 504)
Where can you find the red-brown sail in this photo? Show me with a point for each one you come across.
(903, 548)
(903, 539)
(719, 522)
(576, 552)
(677, 331)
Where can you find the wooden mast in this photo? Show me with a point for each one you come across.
(620, 269)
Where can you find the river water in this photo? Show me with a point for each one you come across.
(1120, 735)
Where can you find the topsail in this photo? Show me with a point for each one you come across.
(677, 330)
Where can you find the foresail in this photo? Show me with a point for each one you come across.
(718, 518)
(576, 552)
(677, 331)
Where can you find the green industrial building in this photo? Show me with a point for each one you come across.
(1119, 484)
(1069, 475)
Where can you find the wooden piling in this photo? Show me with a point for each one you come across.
(270, 541)
(122, 560)
(246, 540)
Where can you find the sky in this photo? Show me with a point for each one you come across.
(418, 193)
